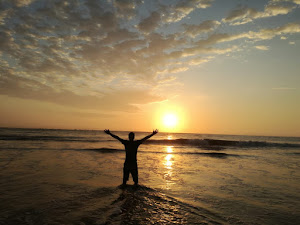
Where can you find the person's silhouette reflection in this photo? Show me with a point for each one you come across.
(131, 146)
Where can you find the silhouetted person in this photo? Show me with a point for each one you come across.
(131, 146)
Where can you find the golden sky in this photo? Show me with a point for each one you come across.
(216, 66)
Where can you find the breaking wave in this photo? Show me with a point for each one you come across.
(209, 144)
(211, 154)
(220, 143)
(51, 138)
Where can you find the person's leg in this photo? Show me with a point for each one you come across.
(134, 173)
(125, 175)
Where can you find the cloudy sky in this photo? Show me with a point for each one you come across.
(221, 66)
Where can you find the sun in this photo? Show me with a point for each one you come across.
(170, 120)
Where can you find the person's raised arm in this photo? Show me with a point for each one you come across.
(114, 136)
(149, 136)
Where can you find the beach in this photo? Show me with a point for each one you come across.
(74, 177)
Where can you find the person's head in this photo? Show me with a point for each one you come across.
(131, 136)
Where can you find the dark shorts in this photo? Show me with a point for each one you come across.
(130, 168)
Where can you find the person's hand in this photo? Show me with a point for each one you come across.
(155, 131)
(107, 131)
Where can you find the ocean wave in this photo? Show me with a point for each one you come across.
(210, 154)
(115, 150)
(51, 138)
(207, 143)
(103, 150)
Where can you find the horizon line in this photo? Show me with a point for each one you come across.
(253, 135)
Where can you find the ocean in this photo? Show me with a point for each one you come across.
(74, 177)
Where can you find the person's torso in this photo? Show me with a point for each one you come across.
(131, 148)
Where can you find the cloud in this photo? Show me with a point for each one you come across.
(4, 14)
(274, 10)
(206, 26)
(245, 14)
(22, 3)
(110, 55)
(263, 34)
(126, 8)
(198, 60)
(149, 23)
(283, 88)
(87, 114)
(262, 47)
(121, 100)
(175, 13)
(293, 1)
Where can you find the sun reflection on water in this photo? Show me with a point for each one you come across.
(168, 162)
(169, 149)
(168, 174)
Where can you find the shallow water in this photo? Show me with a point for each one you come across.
(68, 177)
